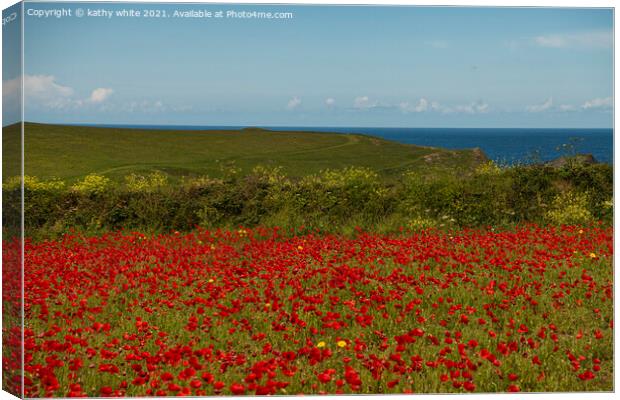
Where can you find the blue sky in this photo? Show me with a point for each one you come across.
(327, 66)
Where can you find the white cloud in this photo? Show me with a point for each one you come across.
(479, 107)
(566, 107)
(421, 106)
(424, 105)
(330, 102)
(43, 90)
(182, 108)
(601, 103)
(153, 107)
(100, 95)
(45, 87)
(582, 39)
(11, 88)
(11, 102)
(363, 103)
(540, 107)
(598, 103)
(293, 103)
(148, 107)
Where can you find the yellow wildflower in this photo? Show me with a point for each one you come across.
(341, 343)
(320, 344)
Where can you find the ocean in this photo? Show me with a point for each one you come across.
(506, 146)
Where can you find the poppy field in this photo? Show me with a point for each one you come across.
(260, 311)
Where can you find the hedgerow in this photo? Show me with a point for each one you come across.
(333, 200)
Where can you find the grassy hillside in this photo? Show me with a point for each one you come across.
(71, 152)
(11, 151)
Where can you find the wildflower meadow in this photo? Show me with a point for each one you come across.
(260, 311)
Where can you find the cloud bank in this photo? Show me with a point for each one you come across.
(424, 105)
(599, 103)
(44, 91)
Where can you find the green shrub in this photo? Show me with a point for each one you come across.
(338, 195)
(531, 191)
(218, 204)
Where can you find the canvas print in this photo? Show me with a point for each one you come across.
(227, 199)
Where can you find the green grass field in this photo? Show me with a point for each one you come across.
(71, 152)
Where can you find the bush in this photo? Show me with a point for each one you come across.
(488, 168)
(32, 184)
(569, 208)
(146, 184)
(42, 201)
(417, 223)
(531, 191)
(92, 185)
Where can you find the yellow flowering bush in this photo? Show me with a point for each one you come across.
(416, 223)
(32, 183)
(149, 183)
(488, 168)
(200, 182)
(350, 176)
(569, 208)
(92, 184)
(271, 175)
